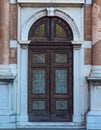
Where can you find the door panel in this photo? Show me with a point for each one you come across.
(38, 85)
(60, 81)
(50, 84)
(61, 85)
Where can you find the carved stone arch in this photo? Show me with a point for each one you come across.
(26, 27)
(59, 13)
(71, 22)
(50, 38)
(23, 63)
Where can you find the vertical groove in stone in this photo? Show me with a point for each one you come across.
(4, 31)
(96, 32)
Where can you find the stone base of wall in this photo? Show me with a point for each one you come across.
(7, 121)
(94, 120)
(7, 96)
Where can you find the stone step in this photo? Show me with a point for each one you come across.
(44, 129)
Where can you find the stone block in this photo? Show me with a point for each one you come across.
(88, 60)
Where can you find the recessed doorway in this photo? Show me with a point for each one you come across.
(50, 78)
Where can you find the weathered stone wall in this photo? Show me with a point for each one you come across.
(13, 32)
(13, 55)
(88, 55)
(96, 32)
(13, 22)
(8, 31)
(88, 22)
(88, 32)
(4, 31)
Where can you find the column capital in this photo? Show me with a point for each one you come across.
(24, 42)
(77, 44)
(94, 81)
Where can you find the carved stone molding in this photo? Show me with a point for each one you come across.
(50, 11)
(52, 1)
(94, 81)
(7, 73)
(76, 44)
(24, 42)
(6, 77)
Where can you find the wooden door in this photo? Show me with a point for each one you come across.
(50, 84)
(50, 78)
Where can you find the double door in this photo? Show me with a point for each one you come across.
(50, 84)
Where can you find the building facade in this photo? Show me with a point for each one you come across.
(50, 64)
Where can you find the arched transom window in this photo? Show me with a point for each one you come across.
(50, 29)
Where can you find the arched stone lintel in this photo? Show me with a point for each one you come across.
(26, 27)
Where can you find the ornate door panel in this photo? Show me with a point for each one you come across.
(50, 79)
(39, 85)
(61, 85)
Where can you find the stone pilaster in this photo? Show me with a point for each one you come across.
(94, 115)
(4, 31)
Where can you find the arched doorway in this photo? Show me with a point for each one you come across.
(50, 80)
